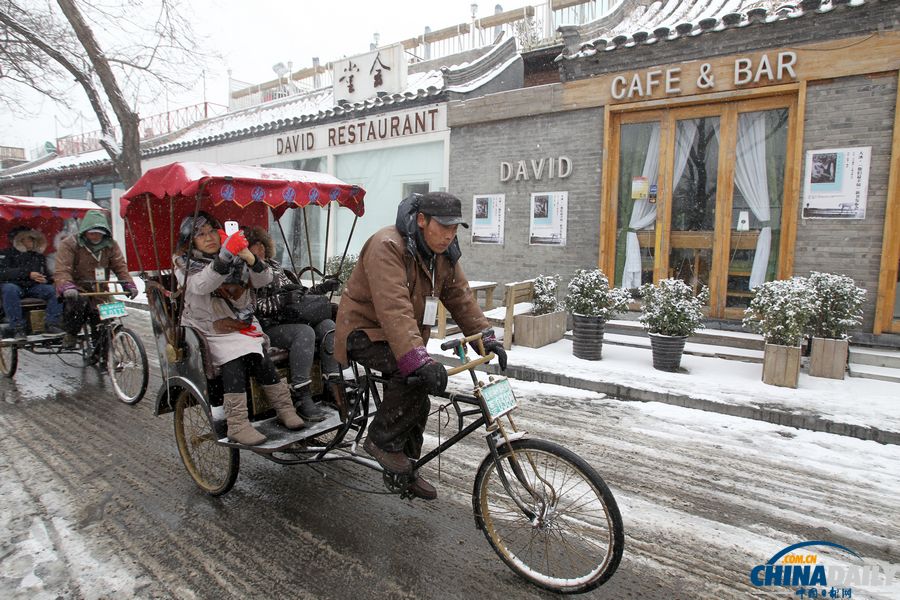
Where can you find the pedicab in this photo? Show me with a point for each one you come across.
(114, 348)
(545, 511)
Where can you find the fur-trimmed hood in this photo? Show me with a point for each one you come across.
(258, 235)
(17, 240)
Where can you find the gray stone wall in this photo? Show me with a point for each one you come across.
(848, 112)
(475, 155)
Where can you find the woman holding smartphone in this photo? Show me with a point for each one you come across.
(216, 270)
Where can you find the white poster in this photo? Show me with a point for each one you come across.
(549, 211)
(836, 184)
(487, 219)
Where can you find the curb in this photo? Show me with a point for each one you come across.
(623, 392)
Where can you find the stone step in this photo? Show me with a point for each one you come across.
(690, 347)
(714, 337)
(876, 357)
(874, 372)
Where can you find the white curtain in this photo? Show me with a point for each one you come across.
(644, 213)
(751, 178)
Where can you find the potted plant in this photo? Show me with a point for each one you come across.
(781, 312)
(670, 312)
(547, 322)
(333, 266)
(838, 308)
(592, 303)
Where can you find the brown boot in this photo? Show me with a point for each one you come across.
(279, 396)
(239, 428)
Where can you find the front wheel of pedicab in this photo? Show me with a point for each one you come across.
(127, 365)
(212, 466)
(9, 360)
(565, 534)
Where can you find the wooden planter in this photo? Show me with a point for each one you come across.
(828, 357)
(535, 331)
(781, 365)
(587, 333)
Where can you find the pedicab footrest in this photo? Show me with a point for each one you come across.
(279, 438)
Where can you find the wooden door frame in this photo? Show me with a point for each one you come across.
(727, 106)
(890, 250)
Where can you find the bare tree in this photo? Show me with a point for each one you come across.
(144, 50)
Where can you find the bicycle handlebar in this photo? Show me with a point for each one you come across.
(456, 342)
(103, 293)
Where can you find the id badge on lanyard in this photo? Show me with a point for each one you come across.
(431, 304)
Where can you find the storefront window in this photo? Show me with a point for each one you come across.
(637, 200)
(760, 157)
(693, 220)
(296, 227)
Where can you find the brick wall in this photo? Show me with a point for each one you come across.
(850, 247)
(476, 152)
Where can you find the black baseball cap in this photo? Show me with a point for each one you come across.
(444, 208)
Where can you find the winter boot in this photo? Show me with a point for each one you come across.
(335, 387)
(279, 397)
(239, 428)
(303, 403)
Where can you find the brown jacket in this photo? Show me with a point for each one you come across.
(75, 265)
(385, 297)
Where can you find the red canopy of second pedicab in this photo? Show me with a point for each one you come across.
(44, 214)
(154, 206)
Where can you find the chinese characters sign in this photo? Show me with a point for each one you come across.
(836, 183)
(487, 219)
(362, 77)
(549, 213)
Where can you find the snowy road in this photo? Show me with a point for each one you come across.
(96, 504)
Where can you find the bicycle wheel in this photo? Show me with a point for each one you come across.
(213, 467)
(572, 540)
(126, 363)
(9, 360)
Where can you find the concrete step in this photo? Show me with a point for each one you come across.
(876, 357)
(690, 347)
(714, 337)
(873, 372)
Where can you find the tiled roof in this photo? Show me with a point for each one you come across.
(635, 22)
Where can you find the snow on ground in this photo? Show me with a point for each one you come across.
(855, 401)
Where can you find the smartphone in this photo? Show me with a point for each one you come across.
(231, 227)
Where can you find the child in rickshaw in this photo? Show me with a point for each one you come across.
(212, 268)
(81, 260)
(24, 274)
(297, 319)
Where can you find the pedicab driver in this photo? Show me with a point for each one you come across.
(387, 309)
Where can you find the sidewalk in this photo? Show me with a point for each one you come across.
(862, 408)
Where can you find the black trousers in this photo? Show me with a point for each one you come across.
(234, 372)
(77, 312)
(399, 424)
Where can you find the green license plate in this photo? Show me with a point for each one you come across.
(111, 310)
(498, 397)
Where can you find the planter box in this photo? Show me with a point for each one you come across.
(781, 365)
(535, 331)
(828, 358)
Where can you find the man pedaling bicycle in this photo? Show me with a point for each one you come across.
(385, 317)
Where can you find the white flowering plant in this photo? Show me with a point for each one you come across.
(671, 308)
(545, 300)
(589, 295)
(782, 311)
(838, 304)
(334, 263)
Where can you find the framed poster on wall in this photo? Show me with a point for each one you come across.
(487, 218)
(836, 183)
(549, 213)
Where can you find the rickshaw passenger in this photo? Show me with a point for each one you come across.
(80, 259)
(212, 267)
(280, 310)
(382, 322)
(24, 274)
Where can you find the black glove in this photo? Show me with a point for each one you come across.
(434, 376)
(330, 284)
(494, 345)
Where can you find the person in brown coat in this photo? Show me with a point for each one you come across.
(81, 260)
(384, 320)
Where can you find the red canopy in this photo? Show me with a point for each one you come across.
(154, 206)
(47, 215)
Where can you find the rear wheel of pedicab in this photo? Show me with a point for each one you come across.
(212, 466)
(571, 538)
(9, 360)
(126, 363)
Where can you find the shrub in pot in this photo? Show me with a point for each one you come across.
(838, 309)
(781, 311)
(333, 266)
(592, 303)
(547, 322)
(670, 312)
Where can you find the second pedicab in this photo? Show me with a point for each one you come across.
(546, 511)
